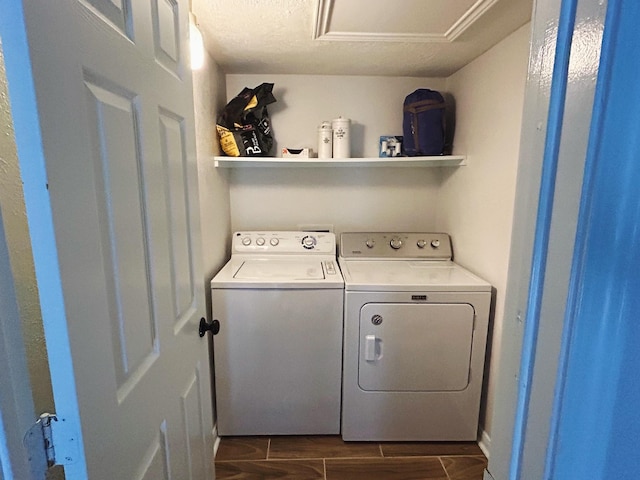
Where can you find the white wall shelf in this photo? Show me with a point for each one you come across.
(435, 161)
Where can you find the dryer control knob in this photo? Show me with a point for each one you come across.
(246, 241)
(435, 243)
(370, 243)
(260, 241)
(396, 243)
(274, 242)
(422, 243)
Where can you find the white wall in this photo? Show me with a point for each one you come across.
(209, 97)
(347, 198)
(476, 201)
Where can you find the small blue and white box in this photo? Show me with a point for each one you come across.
(390, 146)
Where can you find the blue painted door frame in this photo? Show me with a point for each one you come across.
(595, 423)
(542, 231)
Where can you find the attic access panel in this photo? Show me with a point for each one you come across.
(406, 20)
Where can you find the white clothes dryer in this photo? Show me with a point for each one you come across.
(414, 339)
(278, 354)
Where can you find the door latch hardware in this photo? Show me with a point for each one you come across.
(213, 327)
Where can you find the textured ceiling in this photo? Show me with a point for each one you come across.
(354, 37)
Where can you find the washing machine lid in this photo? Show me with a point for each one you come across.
(407, 275)
(280, 270)
(283, 272)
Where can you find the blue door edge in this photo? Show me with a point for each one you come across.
(583, 222)
(542, 229)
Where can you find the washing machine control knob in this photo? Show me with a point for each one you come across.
(274, 242)
(246, 241)
(396, 243)
(421, 243)
(370, 243)
(260, 241)
(309, 242)
(435, 243)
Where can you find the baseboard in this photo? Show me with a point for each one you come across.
(216, 440)
(485, 443)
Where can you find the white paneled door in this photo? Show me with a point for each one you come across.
(118, 271)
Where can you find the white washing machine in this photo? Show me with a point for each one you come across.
(278, 354)
(414, 339)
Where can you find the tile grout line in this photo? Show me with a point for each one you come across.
(268, 448)
(295, 459)
(444, 468)
(381, 452)
(324, 468)
(305, 459)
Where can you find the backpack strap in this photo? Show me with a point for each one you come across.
(423, 106)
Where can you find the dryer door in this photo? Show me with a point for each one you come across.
(415, 347)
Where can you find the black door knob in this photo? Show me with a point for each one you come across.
(213, 327)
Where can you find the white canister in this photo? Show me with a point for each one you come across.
(341, 138)
(325, 140)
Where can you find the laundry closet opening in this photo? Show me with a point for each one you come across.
(474, 202)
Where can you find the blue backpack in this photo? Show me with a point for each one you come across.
(423, 123)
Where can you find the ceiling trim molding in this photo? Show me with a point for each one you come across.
(470, 16)
(382, 37)
(325, 8)
(323, 13)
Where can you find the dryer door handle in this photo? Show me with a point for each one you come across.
(370, 342)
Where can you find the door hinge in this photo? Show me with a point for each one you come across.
(48, 443)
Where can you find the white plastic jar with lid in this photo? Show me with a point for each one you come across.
(325, 140)
(341, 137)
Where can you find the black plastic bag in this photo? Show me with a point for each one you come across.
(244, 127)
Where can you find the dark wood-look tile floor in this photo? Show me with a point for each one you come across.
(329, 458)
